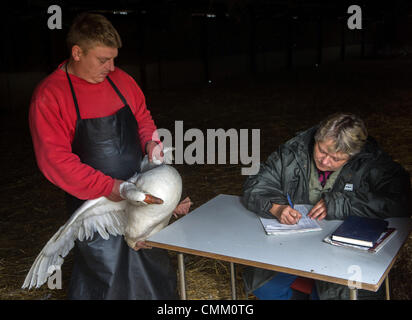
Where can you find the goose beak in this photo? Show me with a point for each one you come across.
(149, 199)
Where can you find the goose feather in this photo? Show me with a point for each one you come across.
(136, 221)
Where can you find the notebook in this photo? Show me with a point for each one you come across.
(378, 245)
(360, 231)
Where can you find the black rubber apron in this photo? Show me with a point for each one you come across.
(110, 269)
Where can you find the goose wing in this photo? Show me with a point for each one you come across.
(99, 215)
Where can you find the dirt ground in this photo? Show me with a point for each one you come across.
(280, 104)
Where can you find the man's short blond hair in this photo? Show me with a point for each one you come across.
(90, 29)
(347, 130)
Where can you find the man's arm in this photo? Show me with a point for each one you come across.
(51, 137)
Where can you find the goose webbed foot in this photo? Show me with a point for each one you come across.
(141, 245)
(183, 207)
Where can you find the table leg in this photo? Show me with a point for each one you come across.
(233, 280)
(182, 280)
(388, 292)
(353, 294)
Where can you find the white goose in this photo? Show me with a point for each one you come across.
(135, 220)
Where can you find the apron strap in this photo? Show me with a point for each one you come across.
(117, 91)
(75, 99)
(73, 94)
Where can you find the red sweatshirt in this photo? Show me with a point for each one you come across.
(52, 119)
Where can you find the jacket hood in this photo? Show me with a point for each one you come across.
(303, 141)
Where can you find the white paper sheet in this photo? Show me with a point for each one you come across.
(305, 224)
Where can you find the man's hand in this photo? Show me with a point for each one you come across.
(153, 149)
(319, 210)
(129, 191)
(115, 194)
(285, 214)
(183, 207)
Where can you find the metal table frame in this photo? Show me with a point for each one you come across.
(210, 216)
(182, 281)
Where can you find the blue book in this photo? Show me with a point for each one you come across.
(360, 231)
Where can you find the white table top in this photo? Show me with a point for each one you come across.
(224, 229)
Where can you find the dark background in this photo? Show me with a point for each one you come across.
(278, 66)
(181, 43)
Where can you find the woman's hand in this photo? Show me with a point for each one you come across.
(285, 214)
(319, 210)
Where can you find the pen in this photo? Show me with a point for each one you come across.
(290, 201)
(291, 205)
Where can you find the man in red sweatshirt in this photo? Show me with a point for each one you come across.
(90, 128)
